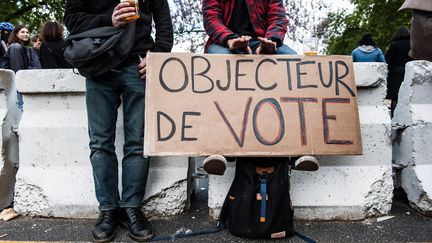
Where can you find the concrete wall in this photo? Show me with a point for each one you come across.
(9, 117)
(55, 176)
(345, 187)
(412, 123)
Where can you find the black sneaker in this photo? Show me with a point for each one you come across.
(135, 222)
(306, 163)
(215, 164)
(105, 227)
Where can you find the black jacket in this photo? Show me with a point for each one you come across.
(51, 54)
(82, 15)
(397, 57)
(397, 53)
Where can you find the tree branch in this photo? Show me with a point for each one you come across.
(24, 10)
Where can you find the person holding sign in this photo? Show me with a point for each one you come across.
(104, 95)
(247, 27)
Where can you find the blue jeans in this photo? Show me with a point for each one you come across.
(218, 49)
(103, 98)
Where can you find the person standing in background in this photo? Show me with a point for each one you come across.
(52, 47)
(397, 56)
(19, 56)
(36, 42)
(5, 30)
(367, 50)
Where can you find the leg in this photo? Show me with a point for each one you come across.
(135, 166)
(305, 163)
(285, 50)
(103, 100)
(216, 164)
(218, 49)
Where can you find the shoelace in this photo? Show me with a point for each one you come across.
(106, 216)
(137, 215)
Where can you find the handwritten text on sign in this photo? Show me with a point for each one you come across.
(274, 105)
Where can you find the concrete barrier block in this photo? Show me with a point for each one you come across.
(412, 123)
(371, 81)
(370, 74)
(345, 187)
(55, 176)
(9, 117)
(417, 183)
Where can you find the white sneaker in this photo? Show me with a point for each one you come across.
(215, 164)
(306, 163)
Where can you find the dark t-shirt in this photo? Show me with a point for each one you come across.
(240, 22)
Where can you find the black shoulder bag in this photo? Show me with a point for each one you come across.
(97, 51)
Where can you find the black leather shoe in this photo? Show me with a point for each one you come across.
(135, 222)
(105, 227)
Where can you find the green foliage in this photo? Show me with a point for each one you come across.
(31, 13)
(379, 17)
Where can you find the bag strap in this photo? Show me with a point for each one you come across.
(101, 32)
(53, 54)
(303, 237)
(189, 233)
(263, 193)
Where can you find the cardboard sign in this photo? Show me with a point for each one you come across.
(250, 105)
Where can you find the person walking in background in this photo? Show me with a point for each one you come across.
(367, 50)
(233, 28)
(104, 94)
(397, 56)
(52, 47)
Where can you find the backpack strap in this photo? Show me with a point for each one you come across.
(263, 193)
(303, 237)
(189, 233)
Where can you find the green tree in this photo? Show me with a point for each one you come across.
(379, 17)
(31, 13)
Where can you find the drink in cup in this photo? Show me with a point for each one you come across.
(310, 46)
(135, 4)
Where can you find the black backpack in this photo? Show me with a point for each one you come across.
(245, 214)
(97, 51)
(244, 211)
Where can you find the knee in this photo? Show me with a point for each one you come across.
(284, 49)
(218, 49)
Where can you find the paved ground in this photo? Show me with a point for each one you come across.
(406, 226)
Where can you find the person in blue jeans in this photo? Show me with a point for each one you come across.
(104, 94)
(248, 27)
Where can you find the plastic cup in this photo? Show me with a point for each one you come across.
(135, 4)
(310, 46)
